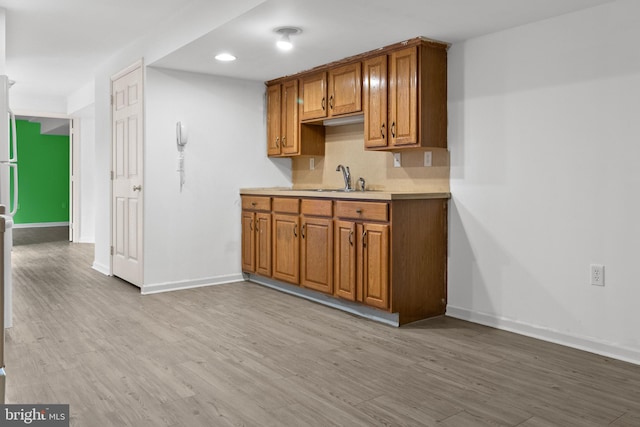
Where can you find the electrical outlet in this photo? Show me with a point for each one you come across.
(397, 162)
(597, 274)
(312, 164)
(427, 158)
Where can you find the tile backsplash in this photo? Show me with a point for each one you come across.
(345, 145)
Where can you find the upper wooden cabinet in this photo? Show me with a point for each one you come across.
(285, 136)
(400, 89)
(332, 93)
(313, 97)
(406, 107)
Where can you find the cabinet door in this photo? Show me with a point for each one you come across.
(286, 248)
(374, 242)
(248, 242)
(316, 254)
(314, 96)
(263, 243)
(289, 139)
(345, 260)
(374, 88)
(345, 89)
(274, 110)
(403, 97)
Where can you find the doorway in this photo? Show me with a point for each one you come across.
(46, 178)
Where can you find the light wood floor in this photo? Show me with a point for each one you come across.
(242, 354)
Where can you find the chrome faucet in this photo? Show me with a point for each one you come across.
(346, 174)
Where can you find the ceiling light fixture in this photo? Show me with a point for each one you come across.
(284, 43)
(225, 57)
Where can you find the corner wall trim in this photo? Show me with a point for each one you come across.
(189, 284)
(533, 331)
(101, 268)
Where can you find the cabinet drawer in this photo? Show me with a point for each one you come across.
(285, 205)
(372, 211)
(256, 203)
(313, 207)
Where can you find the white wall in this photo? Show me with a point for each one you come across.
(192, 236)
(544, 124)
(191, 21)
(85, 179)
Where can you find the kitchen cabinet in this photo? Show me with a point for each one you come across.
(416, 98)
(256, 235)
(285, 135)
(316, 245)
(366, 253)
(286, 240)
(332, 93)
(390, 255)
(374, 88)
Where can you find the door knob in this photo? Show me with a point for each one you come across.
(137, 187)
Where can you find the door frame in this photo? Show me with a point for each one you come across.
(74, 176)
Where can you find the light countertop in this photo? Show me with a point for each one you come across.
(336, 194)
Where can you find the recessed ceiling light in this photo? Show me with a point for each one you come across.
(225, 57)
(284, 43)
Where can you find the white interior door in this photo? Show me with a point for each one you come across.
(127, 167)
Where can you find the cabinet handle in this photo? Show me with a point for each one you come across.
(253, 203)
(351, 237)
(364, 239)
(382, 131)
(295, 230)
(323, 103)
(331, 102)
(251, 225)
(277, 142)
(302, 231)
(393, 129)
(358, 211)
(284, 141)
(137, 187)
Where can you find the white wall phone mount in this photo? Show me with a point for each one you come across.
(181, 140)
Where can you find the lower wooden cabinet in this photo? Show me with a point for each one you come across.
(373, 264)
(390, 255)
(256, 235)
(316, 245)
(344, 256)
(285, 250)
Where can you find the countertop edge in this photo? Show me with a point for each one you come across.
(359, 195)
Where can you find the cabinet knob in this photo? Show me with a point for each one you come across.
(253, 203)
(358, 211)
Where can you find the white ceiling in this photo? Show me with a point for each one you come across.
(54, 46)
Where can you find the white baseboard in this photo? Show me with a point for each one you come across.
(104, 269)
(189, 284)
(41, 225)
(545, 334)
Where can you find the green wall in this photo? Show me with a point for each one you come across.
(43, 175)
